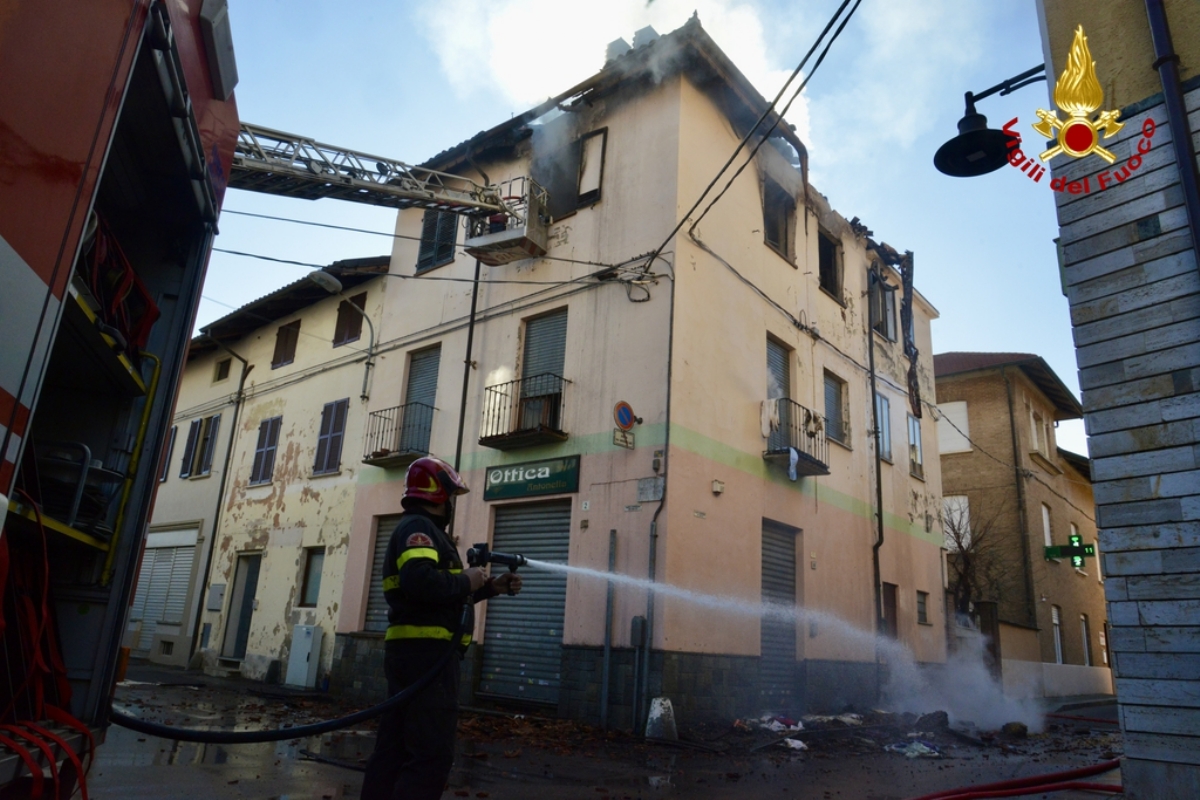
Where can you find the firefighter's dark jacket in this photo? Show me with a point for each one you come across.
(423, 583)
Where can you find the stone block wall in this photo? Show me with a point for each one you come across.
(1131, 274)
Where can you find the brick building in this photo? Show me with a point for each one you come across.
(1008, 493)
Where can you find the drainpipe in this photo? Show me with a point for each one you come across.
(216, 525)
(608, 608)
(1019, 478)
(1166, 61)
(874, 278)
(647, 649)
(462, 408)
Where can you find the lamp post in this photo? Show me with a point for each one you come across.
(978, 149)
(332, 285)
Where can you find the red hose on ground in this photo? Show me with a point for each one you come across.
(1032, 780)
(1114, 788)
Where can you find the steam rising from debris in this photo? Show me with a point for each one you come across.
(962, 687)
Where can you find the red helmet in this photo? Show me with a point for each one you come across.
(432, 480)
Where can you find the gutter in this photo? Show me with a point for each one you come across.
(216, 524)
(1018, 478)
(1166, 61)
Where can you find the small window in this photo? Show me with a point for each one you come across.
(310, 588)
(883, 410)
(591, 166)
(329, 441)
(200, 447)
(264, 452)
(923, 608)
(883, 308)
(221, 372)
(779, 208)
(1037, 434)
(164, 468)
(829, 260)
(349, 320)
(439, 234)
(286, 337)
(1056, 622)
(1047, 533)
(835, 409)
(916, 460)
(953, 428)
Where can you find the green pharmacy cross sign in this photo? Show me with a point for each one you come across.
(1076, 550)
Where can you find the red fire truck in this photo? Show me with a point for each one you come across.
(117, 132)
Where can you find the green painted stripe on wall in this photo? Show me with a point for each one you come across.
(649, 436)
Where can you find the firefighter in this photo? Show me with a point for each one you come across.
(426, 589)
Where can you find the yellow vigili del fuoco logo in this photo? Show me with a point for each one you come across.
(1079, 94)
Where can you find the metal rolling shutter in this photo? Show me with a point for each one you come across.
(522, 642)
(162, 590)
(545, 345)
(377, 607)
(777, 668)
(423, 376)
(177, 590)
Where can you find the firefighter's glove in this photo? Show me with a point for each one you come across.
(509, 582)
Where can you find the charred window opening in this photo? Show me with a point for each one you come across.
(570, 170)
(883, 309)
(830, 265)
(835, 409)
(779, 208)
(439, 232)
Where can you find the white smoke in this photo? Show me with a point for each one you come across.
(529, 50)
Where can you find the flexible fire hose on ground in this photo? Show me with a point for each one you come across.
(299, 731)
(1052, 781)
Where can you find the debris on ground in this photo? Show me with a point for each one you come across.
(914, 749)
(933, 721)
(1015, 730)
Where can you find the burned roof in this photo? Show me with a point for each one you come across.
(1034, 367)
(689, 50)
(284, 301)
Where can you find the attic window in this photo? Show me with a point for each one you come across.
(349, 320)
(829, 259)
(439, 230)
(779, 208)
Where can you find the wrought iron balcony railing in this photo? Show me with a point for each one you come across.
(399, 435)
(801, 430)
(524, 412)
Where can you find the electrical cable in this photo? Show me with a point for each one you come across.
(391, 235)
(766, 136)
(754, 128)
(299, 731)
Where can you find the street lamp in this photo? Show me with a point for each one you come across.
(978, 149)
(332, 285)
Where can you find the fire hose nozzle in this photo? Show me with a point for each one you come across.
(479, 556)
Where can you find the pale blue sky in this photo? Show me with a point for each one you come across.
(406, 80)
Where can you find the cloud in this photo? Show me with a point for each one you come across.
(528, 50)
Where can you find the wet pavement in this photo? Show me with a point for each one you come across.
(507, 757)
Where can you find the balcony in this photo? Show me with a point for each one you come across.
(398, 436)
(803, 431)
(524, 412)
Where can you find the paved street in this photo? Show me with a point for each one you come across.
(505, 757)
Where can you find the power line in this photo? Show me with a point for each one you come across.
(779, 118)
(393, 235)
(754, 128)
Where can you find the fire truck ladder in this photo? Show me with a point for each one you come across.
(285, 164)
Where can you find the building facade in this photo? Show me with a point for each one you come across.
(644, 412)
(1129, 263)
(1008, 493)
(272, 458)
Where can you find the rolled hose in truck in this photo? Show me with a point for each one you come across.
(298, 731)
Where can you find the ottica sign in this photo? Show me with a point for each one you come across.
(553, 476)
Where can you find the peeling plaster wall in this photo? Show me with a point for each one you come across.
(296, 510)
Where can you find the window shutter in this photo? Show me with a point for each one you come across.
(545, 345)
(165, 468)
(426, 253)
(833, 407)
(447, 230)
(323, 438)
(256, 471)
(210, 445)
(333, 456)
(779, 377)
(189, 449)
